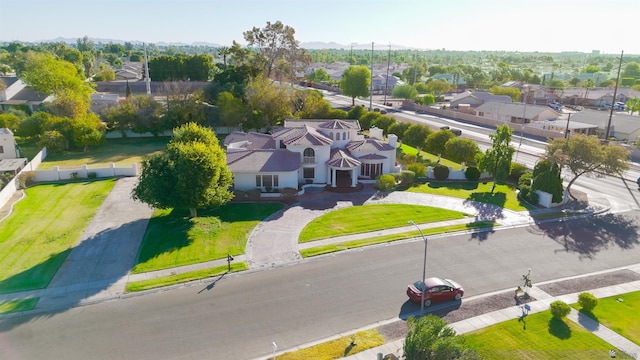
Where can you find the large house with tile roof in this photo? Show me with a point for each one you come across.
(328, 152)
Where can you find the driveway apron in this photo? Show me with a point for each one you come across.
(101, 260)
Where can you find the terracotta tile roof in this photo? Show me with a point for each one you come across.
(255, 141)
(323, 124)
(369, 145)
(306, 136)
(253, 161)
(372, 157)
(342, 159)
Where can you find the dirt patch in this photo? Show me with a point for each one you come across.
(590, 282)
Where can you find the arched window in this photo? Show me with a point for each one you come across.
(337, 136)
(344, 135)
(309, 156)
(331, 135)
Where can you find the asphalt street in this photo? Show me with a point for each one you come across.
(239, 316)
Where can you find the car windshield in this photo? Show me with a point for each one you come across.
(419, 285)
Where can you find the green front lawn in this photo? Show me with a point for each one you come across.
(122, 152)
(617, 313)
(184, 277)
(18, 305)
(331, 248)
(172, 239)
(366, 218)
(338, 348)
(539, 337)
(37, 237)
(503, 196)
(427, 158)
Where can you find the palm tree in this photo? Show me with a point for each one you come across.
(224, 51)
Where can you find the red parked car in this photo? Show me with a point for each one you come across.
(436, 290)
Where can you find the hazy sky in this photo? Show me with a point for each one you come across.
(541, 25)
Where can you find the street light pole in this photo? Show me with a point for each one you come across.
(424, 267)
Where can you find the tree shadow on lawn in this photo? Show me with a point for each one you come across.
(91, 267)
(559, 329)
(488, 206)
(588, 235)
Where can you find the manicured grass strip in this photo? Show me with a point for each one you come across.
(539, 337)
(18, 305)
(359, 219)
(37, 237)
(122, 152)
(172, 239)
(429, 158)
(184, 277)
(503, 196)
(618, 315)
(339, 348)
(390, 238)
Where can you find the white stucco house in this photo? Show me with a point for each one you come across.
(328, 152)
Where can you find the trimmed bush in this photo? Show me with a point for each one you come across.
(517, 170)
(385, 182)
(472, 173)
(407, 177)
(92, 175)
(587, 301)
(418, 169)
(559, 309)
(441, 172)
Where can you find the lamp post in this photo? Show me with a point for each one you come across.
(424, 266)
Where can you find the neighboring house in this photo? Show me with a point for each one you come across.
(516, 113)
(477, 98)
(10, 160)
(596, 96)
(330, 152)
(18, 94)
(125, 74)
(532, 93)
(623, 126)
(101, 101)
(381, 82)
(567, 125)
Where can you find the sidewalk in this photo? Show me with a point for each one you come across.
(543, 300)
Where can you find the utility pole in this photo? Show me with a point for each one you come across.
(147, 80)
(371, 81)
(566, 130)
(613, 101)
(386, 83)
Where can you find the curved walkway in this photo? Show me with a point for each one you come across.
(275, 240)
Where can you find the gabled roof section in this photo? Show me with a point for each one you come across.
(342, 160)
(518, 110)
(28, 94)
(8, 80)
(252, 140)
(304, 136)
(368, 145)
(372, 156)
(323, 124)
(254, 161)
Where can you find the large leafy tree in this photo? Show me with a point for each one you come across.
(140, 114)
(407, 92)
(497, 160)
(268, 102)
(430, 337)
(546, 177)
(355, 82)
(585, 155)
(416, 135)
(192, 173)
(275, 41)
(461, 150)
(232, 111)
(436, 141)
